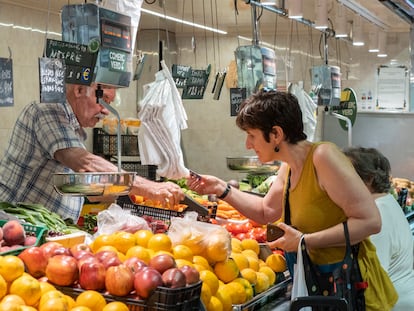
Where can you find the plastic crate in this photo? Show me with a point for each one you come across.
(163, 214)
(107, 145)
(147, 171)
(38, 231)
(175, 299)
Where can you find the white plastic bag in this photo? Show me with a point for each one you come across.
(299, 288)
(115, 218)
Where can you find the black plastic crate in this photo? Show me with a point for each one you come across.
(107, 145)
(147, 171)
(168, 299)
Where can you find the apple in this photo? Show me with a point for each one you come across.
(87, 259)
(49, 248)
(35, 261)
(119, 280)
(111, 261)
(162, 262)
(79, 250)
(135, 264)
(146, 281)
(191, 274)
(62, 270)
(103, 255)
(92, 276)
(174, 278)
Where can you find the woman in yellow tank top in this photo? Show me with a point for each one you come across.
(324, 191)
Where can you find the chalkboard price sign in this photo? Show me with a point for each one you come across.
(79, 61)
(6, 82)
(52, 80)
(180, 74)
(196, 84)
(237, 95)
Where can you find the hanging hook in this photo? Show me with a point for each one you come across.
(10, 53)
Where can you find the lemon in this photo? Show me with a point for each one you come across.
(251, 244)
(250, 275)
(210, 279)
(270, 274)
(226, 270)
(262, 282)
(276, 262)
(241, 260)
(225, 298)
(214, 304)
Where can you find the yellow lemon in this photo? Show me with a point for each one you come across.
(225, 298)
(3, 287)
(262, 283)
(142, 237)
(250, 275)
(123, 241)
(160, 242)
(237, 292)
(217, 249)
(247, 287)
(270, 274)
(236, 245)
(140, 252)
(250, 253)
(205, 295)
(182, 262)
(241, 260)
(201, 261)
(226, 270)
(251, 244)
(214, 304)
(210, 279)
(116, 306)
(276, 262)
(253, 263)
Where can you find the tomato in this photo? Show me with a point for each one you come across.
(259, 234)
(242, 236)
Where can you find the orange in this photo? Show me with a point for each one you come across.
(182, 262)
(225, 298)
(45, 287)
(160, 242)
(214, 304)
(251, 244)
(210, 279)
(139, 252)
(101, 240)
(276, 262)
(26, 287)
(51, 295)
(107, 248)
(11, 267)
(123, 241)
(91, 299)
(226, 270)
(9, 306)
(54, 304)
(116, 306)
(142, 237)
(71, 302)
(3, 287)
(80, 308)
(27, 308)
(181, 251)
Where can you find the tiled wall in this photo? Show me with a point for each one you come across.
(211, 134)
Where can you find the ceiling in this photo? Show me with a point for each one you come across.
(391, 16)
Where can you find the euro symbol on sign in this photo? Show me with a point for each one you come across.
(85, 75)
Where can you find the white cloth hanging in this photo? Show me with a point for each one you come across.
(162, 116)
(308, 107)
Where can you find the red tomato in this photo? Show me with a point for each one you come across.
(242, 236)
(259, 234)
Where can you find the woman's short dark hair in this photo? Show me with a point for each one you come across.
(265, 109)
(372, 166)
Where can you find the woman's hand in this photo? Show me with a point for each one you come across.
(289, 242)
(206, 184)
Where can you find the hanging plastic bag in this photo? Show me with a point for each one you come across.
(209, 240)
(299, 288)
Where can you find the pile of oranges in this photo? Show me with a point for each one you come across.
(19, 291)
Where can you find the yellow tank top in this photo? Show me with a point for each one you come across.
(312, 210)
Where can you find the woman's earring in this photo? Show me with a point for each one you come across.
(277, 149)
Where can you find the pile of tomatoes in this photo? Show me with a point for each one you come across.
(246, 230)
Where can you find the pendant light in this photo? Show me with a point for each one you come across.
(341, 30)
(321, 10)
(295, 9)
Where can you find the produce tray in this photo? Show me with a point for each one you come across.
(38, 231)
(175, 299)
(159, 213)
(106, 145)
(260, 300)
